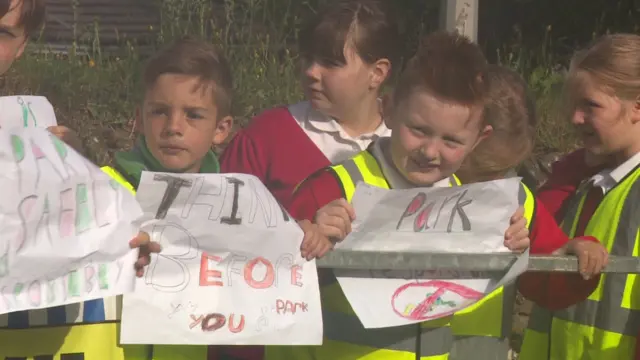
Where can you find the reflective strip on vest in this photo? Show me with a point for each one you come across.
(467, 334)
(609, 320)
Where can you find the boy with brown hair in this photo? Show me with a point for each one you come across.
(186, 110)
(512, 114)
(439, 114)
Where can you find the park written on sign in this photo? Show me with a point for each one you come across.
(65, 225)
(230, 270)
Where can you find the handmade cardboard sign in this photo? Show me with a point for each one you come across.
(230, 270)
(466, 219)
(66, 225)
(26, 111)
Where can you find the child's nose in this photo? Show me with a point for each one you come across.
(313, 71)
(175, 124)
(430, 149)
(577, 118)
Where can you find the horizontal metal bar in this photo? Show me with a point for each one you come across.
(369, 260)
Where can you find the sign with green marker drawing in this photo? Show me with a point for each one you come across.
(66, 225)
(26, 111)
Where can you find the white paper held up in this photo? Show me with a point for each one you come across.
(65, 225)
(26, 111)
(466, 219)
(230, 270)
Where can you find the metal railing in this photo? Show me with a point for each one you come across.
(369, 260)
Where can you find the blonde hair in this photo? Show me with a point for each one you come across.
(613, 62)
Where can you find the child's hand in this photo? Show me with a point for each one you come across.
(68, 136)
(314, 244)
(334, 219)
(143, 242)
(516, 238)
(592, 256)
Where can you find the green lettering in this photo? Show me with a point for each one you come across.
(17, 290)
(18, 147)
(83, 214)
(61, 148)
(103, 276)
(73, 284)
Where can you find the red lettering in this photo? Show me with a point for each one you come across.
(413, 207)
(296, 277)
(420, 223)
(236, 329)
(216, 321)
(207, 276)
(291, 307)
(269, 276)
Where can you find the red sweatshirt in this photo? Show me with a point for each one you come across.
(546, 237)
(275, 149)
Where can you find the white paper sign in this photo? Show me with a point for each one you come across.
(230, 270)
(26, 111)
(466, 219)
(65, 225)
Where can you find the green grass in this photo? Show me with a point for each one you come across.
(97, 94)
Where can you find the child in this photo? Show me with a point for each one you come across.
(186, 110)
(511, 111)
(348, 51)
(603, 92)
(437, 119)
(18, 20)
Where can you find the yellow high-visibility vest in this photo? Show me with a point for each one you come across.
(607, 324)
(478, 332)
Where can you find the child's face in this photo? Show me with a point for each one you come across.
(181, 123)
(339, 90)
(605, 123)
(12, 36)
(430, 138)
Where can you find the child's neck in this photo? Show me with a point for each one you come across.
(626, 154)
(363, 119)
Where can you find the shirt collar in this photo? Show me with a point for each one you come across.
(324, 123)
(625, 168)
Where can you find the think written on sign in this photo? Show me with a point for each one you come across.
(230, 271)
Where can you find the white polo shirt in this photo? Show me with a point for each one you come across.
(328, 134)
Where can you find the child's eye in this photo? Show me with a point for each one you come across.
(193, 115)
(417, 131)
(158, 111)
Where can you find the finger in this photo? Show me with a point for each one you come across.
(331, 232)
(141, 239)
(516, 228)
(154, 247)
(519, 214)
(343, 214)
(334, 222)
(328, 247)
(584, 261)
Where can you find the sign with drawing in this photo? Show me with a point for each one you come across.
(65, 225)
(26, 111)
(466, 219)
(230, 269)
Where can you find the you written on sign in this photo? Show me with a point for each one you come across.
(230, 263)
(62, 213)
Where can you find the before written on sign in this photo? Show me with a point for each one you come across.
(230, 269)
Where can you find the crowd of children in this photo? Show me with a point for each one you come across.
(451, 119)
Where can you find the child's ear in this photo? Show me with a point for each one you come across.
(137, 121)
(379, 73)
(484, 133)
(223, 129)
(635, 111)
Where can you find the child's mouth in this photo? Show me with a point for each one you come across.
(424, 165)
(171, 150)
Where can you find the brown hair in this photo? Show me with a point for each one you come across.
(511, 111)
(450, 66)
(31, 16)
(613, 61)
(189, 56)
(368, 25)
